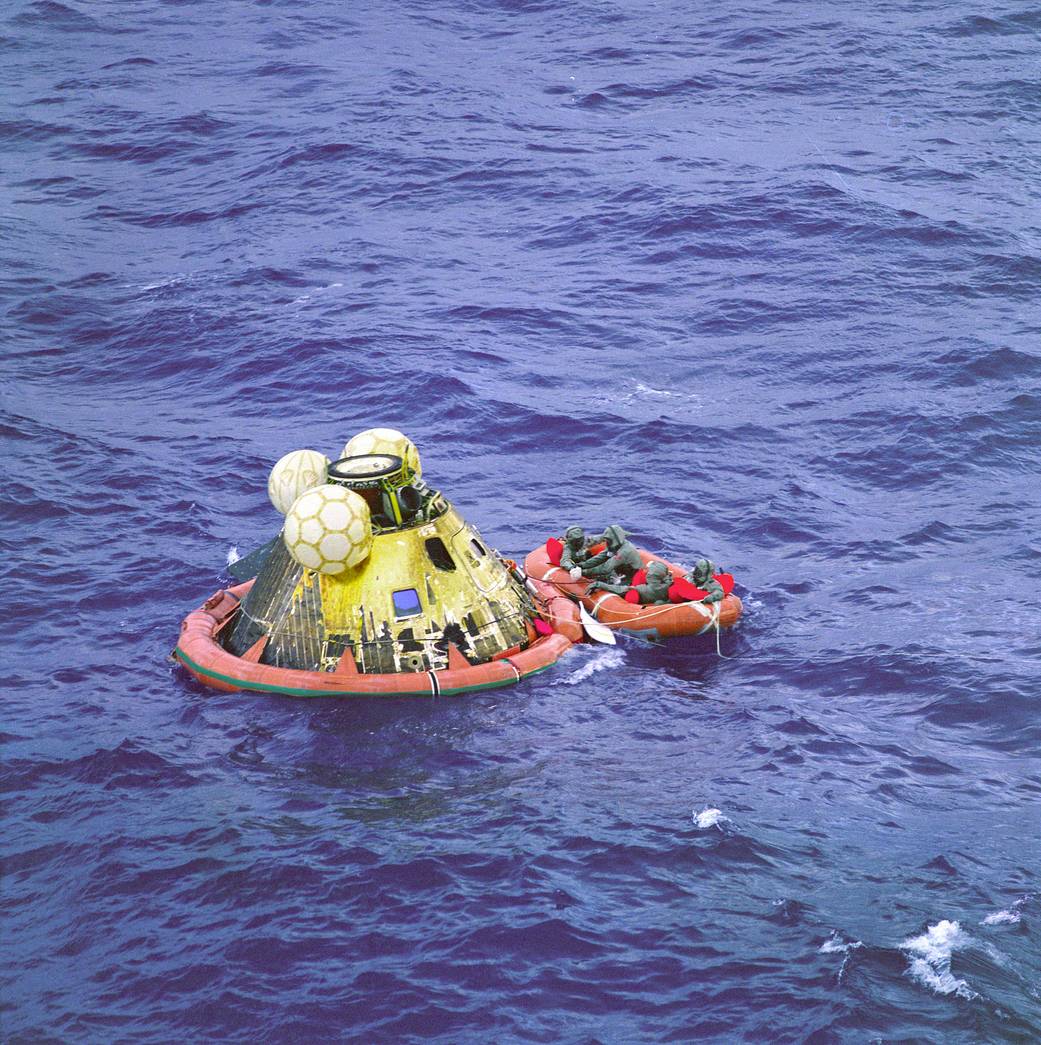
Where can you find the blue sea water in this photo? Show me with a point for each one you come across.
(759, 281)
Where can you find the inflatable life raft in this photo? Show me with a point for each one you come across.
(201, 651)
(661, 621)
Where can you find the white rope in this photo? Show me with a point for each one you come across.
(664, 609)
(715, 621)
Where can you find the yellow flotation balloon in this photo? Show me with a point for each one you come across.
(385, 441)
(295, 474)
(328, 529)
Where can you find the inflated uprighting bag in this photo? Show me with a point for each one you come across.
(683, 590)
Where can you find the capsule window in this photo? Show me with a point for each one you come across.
(478, 548)
(406, 603)
(439, 554)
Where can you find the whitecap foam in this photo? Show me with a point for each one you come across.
(941, 980)
(648, 390)
(180, 277)
(316, 290)
(708, 818)
(930, 957)
(1009, 917)
(233, 555)
(602, 660)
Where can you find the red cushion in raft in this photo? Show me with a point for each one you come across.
(683, 591)
(639, 577)
(596, 549)
(632, 595)
(726, 582)
(554, 549)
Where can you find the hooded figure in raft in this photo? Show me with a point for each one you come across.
(702, 576)
(654, 590)
(576, 550)
(620, 556)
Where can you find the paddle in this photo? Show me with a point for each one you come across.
(594, 629)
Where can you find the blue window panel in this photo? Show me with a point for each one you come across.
(406, 603)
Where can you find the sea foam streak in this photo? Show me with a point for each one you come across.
(602, 660)
(836, 945)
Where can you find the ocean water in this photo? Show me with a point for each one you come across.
(759, 281)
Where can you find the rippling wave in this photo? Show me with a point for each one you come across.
(759, 283)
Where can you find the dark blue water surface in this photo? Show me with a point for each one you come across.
(759, 281)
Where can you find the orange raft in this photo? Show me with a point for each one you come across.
(199, 650)
(665, 621)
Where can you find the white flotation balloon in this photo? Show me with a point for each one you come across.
(385, 441)
(328, 529)
(295, 474)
